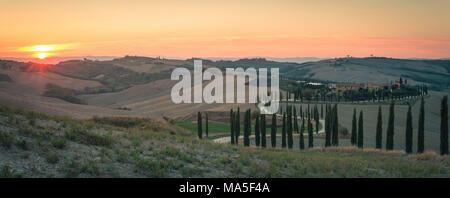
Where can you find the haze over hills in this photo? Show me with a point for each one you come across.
(57, 59)
(142, 84)
(129, 87)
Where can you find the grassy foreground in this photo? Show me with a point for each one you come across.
(39, 145)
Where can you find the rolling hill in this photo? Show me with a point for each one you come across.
(39, 145)
(140, 86)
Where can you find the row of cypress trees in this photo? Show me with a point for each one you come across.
(357, 134)
(235, 126)
(331, 126)
(290, 123)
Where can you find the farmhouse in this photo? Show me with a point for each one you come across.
(347, 86)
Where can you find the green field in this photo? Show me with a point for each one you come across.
(370, 111)
(213, 127)
(222, 128)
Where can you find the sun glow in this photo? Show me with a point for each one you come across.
(43, 51)
(42, 55)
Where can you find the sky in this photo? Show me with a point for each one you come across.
(232, 28)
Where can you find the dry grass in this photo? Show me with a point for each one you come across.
(157, 148)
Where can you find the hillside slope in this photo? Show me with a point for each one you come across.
(38, 145)
(378, 70)
(358, 70)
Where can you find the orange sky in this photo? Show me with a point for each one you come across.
(205, 28)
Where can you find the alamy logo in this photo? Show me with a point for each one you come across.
(268, 101)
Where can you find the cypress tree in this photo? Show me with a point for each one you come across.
(257, 124)
(295, 120)
(273, 131)
(409, 132)
(327, 128)
(247, 128)
(360, 131)
(335, 139)
(420, 130)
(354, 132)
(263, 130)
(316, 118)
(301, 111)
(238, 126)
(390, 129)
(296, 127)
(308, 113)
(378, 141)
(232, 126)
(249, 125)
(283, 132)
(302, 140)
(199, 125)
(321, 111)
(310, 133)
(206, 119)
(444, 126)
(289, 129)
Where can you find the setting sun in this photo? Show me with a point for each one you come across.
(42, 55)
(43, 51)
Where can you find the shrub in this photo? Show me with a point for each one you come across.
(8, 172)
(58, 143)
(71, 169)
(86, 137)
(125, 122)
(22, 144)
(152, 168)
(6, 140)
(52, 158)
(32, 122)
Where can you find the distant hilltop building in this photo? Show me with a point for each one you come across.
(373, 86)
(347, 86)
